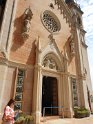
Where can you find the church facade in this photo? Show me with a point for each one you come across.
(43, 57)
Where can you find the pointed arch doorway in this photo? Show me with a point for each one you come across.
(50, 95)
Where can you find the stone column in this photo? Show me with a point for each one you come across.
(61, 94)
(3, 69)
(37, 95)
(68, 112)
(79, 66)
(37, 86)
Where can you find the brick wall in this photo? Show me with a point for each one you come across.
(24, 51)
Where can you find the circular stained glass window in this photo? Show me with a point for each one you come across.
(50, 21)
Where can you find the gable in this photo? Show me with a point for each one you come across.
(50, 50)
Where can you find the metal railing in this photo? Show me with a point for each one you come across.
(55, 107)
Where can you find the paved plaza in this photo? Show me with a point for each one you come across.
(87, 120)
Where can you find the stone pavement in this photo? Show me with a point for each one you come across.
(87, 120)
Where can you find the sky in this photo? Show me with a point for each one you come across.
(87, 8)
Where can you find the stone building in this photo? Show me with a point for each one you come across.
(43, 57)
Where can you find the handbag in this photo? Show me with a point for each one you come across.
(5, 118)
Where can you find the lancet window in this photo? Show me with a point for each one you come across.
(19, 89)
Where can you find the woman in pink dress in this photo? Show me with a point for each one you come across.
(8, 117)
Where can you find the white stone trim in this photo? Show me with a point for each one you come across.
(6, 24)
(52, 50)
(15, 64)
(3, 87)
(58, 77)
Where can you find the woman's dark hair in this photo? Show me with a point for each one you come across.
(10, 102)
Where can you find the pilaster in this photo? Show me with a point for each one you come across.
(68, 112)
(79, 66)
(6, 24)
(36, 106)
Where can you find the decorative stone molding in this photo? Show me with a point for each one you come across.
(54, 56)
(49, 62)
(72, 46)
(5, 61)
(51, 38)
(26, 23)
(65, 11)
(51, 5)
(2, 54)
(6, 27)
(79, 21)
(50, 21)
(84, 44)
(84, 73)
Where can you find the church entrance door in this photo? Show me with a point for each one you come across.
(50, 95)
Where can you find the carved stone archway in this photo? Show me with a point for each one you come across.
(50, 62)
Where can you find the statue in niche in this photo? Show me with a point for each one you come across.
(46, 62)
(51, 38)
(50, 63)
(84, 73)
(51, 5)
(72, 45)
(27, 22)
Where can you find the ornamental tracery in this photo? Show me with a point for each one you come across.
(72, 45)
(50, 21)
(49, 62)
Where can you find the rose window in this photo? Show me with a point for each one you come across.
(50, 21)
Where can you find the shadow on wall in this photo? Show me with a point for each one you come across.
(32, 56)
(18, 42)
(17, 37)
(28, 89)
(67, 51)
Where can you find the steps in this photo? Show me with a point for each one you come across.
(48, 118)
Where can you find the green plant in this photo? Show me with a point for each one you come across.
(81, 112)
(29, 119)
(23, 118)
(20, 120)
